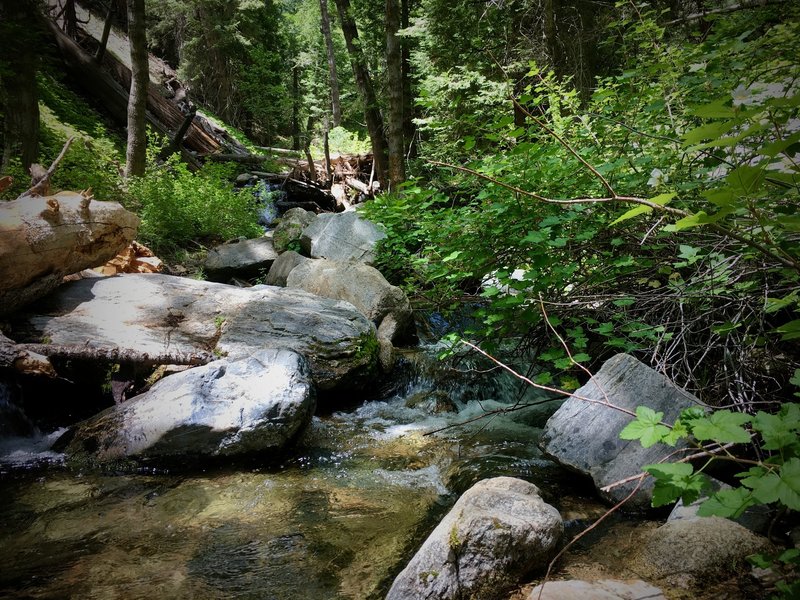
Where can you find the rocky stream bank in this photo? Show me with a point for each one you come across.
(295, 458)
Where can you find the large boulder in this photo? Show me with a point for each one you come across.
(496, 533)
(283, 265)
(160, 314)
(691, 552)
(291, 227)
(240, 258)
(341, 236)
(603, 589)
(362, 286)
(225, 408)
(583, 434)
(42, 239)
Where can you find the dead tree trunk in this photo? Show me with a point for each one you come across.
(140, 80)
(372, 111)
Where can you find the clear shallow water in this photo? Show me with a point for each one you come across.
(338, 519)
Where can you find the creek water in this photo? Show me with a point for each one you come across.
(337, 518)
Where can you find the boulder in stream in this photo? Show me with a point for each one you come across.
(362, 286)
(291, 227)
(240, 258)
(158, 315)
(225, 408)
(496, 533)
(583, 435)
(283, 265)
(342, 236)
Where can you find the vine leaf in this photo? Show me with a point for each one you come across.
(722, 426)
(646, 428)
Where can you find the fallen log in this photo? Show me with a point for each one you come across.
(280, 151)
(44, 238)
(359, 186)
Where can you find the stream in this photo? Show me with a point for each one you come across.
(338, 518)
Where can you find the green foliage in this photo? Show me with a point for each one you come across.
(178, 207)
(683, 125)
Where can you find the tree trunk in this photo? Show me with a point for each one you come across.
(295, 107)
(137, 100)
(101, 51)
(312, 170)
(336, 107)
(409, 129)
(394, 85)
(19, 52)
(372, 112)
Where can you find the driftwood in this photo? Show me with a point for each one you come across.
(40, 179)
(44, 238)
(34, 359)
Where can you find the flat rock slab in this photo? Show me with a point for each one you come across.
(160, 313)
(584, 435)
(245, 258)
(604, 589)
(495, 535)
(224, 408)
(342, 236)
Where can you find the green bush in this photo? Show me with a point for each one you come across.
(178, 207)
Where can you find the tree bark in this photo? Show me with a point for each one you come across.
(409, 129)
(140, 80)
(19, 51)
(101, 51)
(394, 81)
(336, 107)
(372, 112)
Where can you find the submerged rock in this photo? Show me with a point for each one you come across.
(498, 531)
(342, 236)
(224, 408)
(604, 589)
(243, 258)
(584, 436)
(160, 314)
(362, 286)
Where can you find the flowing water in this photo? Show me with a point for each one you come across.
(337, 519)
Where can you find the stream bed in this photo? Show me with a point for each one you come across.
(338, 518)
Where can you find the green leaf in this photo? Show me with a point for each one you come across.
(452, 256)
(714, 110)
(728, 503)
(790, 330)
(678, 432)
(789, 491)
(661, 200)
(746, 179)
(676, 480)
(722, 426)
(708, 131)
(778, 431)
(646, 428)
(699, 218)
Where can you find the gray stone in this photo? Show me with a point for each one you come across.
(362, 286)
(224, 408)
(160, 313)
(283, 265)
(584, 435)
(497, 533)
(756, 518)
(688, 552)
(244, 258)
(291, 227)
(343, 236)
(604, 589)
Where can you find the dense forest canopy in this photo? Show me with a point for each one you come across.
(567, 178)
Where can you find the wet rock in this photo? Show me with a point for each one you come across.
(224, 408)
(685, 553)
(499, 531)
(160, 313)
(584, 436)
(283, 265)
(604, 589)
(342, 236)
(362, 286)
(291, 227)
(432, 401)
(243, 258)
(13, 421)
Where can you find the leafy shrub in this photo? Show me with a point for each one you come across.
(178, 207)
